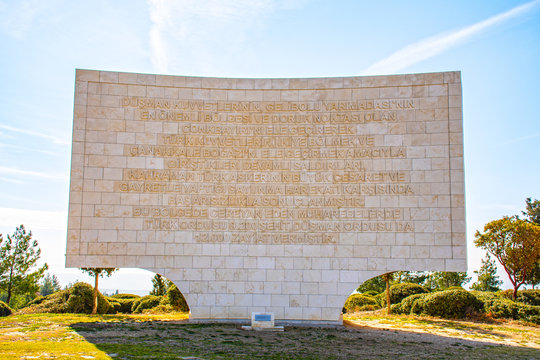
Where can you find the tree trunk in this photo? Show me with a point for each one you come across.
(8, 294)
(94, 307)
(388, 305)
(515, 293)
(10, 286)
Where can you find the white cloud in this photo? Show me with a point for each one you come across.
(52, 138)
(30, 173)
(195, 31)
(522, 138)
(438, 44)
(16, 17)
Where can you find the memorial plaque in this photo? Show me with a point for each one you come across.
(267, 195)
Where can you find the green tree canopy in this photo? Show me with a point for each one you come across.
(18, 257)
(377, 284)
(487, 276)
(159, 285)
(532, 211)
(446, 279)
(49, 285)
(532, 214)
(515, 244)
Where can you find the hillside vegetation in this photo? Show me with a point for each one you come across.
(452, 303)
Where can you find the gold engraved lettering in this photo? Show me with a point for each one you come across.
(269, 172)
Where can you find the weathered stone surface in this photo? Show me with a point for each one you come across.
(267, 195)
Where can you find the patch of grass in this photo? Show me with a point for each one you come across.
(71, 336)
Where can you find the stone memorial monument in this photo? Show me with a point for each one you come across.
(267, 195)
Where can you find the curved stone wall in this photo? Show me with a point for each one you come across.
(267, 195)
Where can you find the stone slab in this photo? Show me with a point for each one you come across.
(267, 195)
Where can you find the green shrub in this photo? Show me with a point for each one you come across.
(5, 310)
(176, 299)
(484, 295)
(508, 309)
(115, 306)
(399, 292)
(530, 313)
(396, 308)
(447, 304)
(370, 293)
(146, 302)
(77, 299)
(357, 302)
(125, 296)
(124, 306)
(160, 309)
(53, 303)
(37, 301)
(81, 300)
(530, 297)
(455, 288)
(405, 306)
(501, 308)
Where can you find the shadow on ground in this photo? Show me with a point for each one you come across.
(178, 339)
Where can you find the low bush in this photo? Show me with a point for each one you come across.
(447, 304)
(81, 299)
(501, 308)
(455, 288)
(405, 306)
(484, 295)
(531, 297)
(359, 302)
(144, 303)
(370, 293)
(5, 310)
(37, 300)
(124, 304)
(77, 299)
(508, 309)
(115, 306)
(53, 303)
(530, 313)
(125, 296)
(399, 292)
(160, 309)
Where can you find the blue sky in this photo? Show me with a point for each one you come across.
(495, 44)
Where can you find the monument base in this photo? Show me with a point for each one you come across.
(297, 323)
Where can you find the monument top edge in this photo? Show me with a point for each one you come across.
(130, 78)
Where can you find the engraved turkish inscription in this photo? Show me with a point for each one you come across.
(259, 172)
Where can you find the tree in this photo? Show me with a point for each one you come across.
(18, 257)
(415, 277)
(49, 285)
(444, 279)
(376, 284)
(487, 276)
(159, 286)
(97, 273)
(515, 244)
(387, 277)
(532, 211)
(532, 214)
(533, 278)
